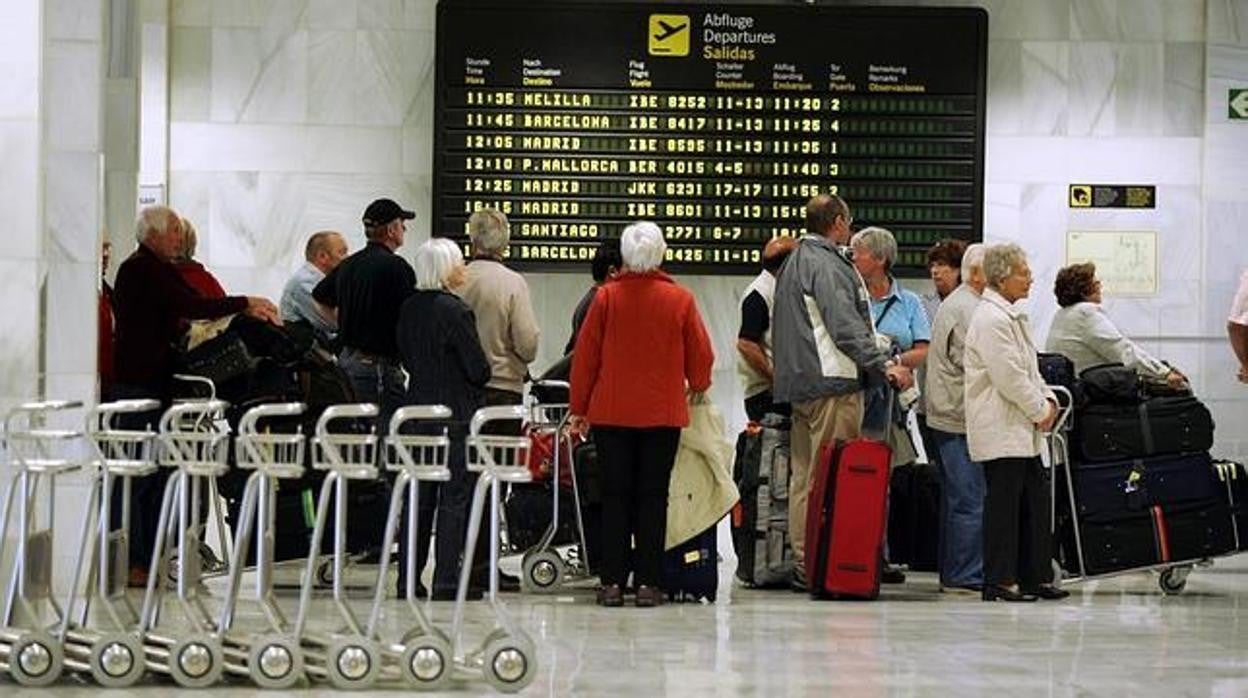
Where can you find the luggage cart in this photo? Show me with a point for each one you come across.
(1172, 576)
(543, 568)
(193, 657)
(352, 658)
(506, 656)
(29, 650)
(426, 660)
(109, 641)
(274, 656)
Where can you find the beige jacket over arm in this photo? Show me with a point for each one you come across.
(499, 298)
(1005, 395)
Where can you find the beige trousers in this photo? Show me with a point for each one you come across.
(816, 422)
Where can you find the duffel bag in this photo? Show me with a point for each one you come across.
(1152, 427)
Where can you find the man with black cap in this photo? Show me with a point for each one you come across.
(366, 290)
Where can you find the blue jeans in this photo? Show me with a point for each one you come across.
(962, 513)
(377, 380)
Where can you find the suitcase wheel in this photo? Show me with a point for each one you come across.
(1173, 579)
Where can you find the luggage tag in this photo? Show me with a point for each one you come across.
(1136, 489)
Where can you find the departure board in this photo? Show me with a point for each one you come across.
(716, 122)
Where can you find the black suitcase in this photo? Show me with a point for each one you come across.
(1199, 530)
(1233, 478)
(1156, 426)
(691, 569)
(1119, 489)
(1113, 546)
(1056, 369)
(914, 517)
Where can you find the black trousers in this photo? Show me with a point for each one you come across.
(1018, 543)
(450, 502)
(493, 397)
(758, 406)
(636, 468)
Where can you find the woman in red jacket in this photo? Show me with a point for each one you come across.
(192, 272)
(641, 345)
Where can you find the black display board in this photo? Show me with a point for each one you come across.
(717, 122)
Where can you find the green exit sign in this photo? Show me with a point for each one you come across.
(1237, 104)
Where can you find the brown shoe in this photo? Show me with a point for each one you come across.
(138, 577)
(609, 595)
(648, 596)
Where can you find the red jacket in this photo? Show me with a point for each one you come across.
(641, 342)
(200, 279)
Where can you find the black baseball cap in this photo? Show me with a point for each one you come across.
(382, 211)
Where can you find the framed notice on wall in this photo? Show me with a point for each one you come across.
(717, 122)
(1126, 261)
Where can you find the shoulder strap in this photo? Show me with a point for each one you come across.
(887, 307)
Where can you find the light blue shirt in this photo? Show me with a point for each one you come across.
(297, 302)
(906, 320)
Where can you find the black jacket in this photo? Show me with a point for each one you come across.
(439, 347)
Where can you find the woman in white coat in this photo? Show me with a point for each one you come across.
(1008, 408)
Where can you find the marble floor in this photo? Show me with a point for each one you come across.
(1113, 637)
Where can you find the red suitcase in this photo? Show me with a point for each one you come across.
(845, 520)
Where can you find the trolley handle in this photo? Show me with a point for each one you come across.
(415, 413)
(552, 384)
(498, 413)
(192, 378)
(251, 418)
(100, 418)
(352, 411)
(198, 408)
(1065, 406)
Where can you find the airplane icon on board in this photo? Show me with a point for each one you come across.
(668, 30)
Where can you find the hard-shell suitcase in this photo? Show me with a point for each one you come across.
(691, 569)
(1152, 427)
(914, 517)
(845, 520)
(760, 519)
(1119, 489)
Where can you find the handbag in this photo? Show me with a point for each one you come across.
(220, 359)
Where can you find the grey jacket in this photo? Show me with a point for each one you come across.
(823, 343)
(944, 390)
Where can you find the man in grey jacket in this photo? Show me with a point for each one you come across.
(825, 352)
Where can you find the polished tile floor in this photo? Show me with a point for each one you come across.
(1113, 637)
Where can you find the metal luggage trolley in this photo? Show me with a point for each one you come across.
(352, 659)
(543, 568)
(426, 659)
(29, 652)
(109, 640)
(194, 657)
(274, 655)
(506, 655)
(1172, 576)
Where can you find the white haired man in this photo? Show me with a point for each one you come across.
(150, 302)
(499, 297)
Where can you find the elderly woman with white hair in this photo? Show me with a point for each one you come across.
(1008, 409)
(641, 347)
(439, 348)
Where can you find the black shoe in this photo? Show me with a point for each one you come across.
(993, 592)
(508, 582)
(401, 590)
(1048, 592)
(797, 584)
(892, 574)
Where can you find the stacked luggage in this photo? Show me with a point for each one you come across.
(1139, 489)
(760, 520)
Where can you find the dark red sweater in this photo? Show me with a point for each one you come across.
(149, 301)
(642, 342)
(200, 279)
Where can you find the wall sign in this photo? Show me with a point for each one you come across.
(717, 122)
(1126, 261)
(1113, 196)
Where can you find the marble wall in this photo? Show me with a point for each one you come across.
(288, 116)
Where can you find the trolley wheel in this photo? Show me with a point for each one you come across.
(1173, 579)
(36, 659)
(196, 661)
(352, 662)
(118, 660)
(275, 661)
(542, 572)
(509, 662)
(428, 661)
